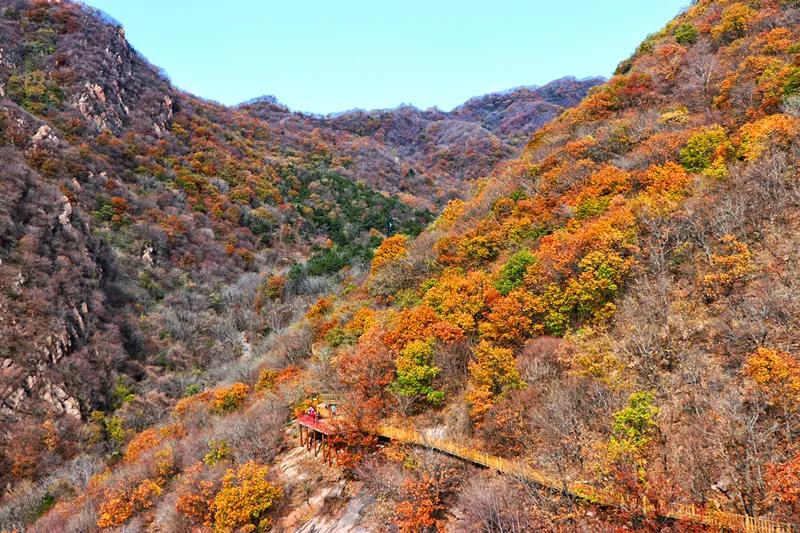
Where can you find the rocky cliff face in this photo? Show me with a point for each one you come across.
(50, 293)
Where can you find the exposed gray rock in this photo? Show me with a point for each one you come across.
(147, 256)
(44, 135)
(65, 216)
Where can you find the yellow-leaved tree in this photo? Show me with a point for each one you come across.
(245, 498)
(492, 372)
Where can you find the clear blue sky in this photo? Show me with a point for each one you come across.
(327, 56)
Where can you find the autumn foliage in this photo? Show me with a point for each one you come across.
(777, 374)
(390, 249)
(616, 306)
(245, 498)
(230, 398)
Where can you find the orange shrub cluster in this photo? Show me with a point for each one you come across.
(784, 483)
(192, 404)
(421, 506)
(195, 496)
(229, 399)
(120, 506)
(729, 267)
(141, 443)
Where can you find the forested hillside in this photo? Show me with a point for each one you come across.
(426, 156)
(617, 306)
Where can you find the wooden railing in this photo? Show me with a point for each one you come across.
(719, 519)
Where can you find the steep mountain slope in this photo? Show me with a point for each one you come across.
(620, 303)
(619, 306)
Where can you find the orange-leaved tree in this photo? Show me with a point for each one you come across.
(390, 249)
(783, 481)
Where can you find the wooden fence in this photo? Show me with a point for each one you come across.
(718, 519)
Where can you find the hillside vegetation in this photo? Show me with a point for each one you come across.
(143, 230)
(618, 305)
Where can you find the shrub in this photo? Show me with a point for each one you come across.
(338, 336)
(592, 206)
(218, 450)
(634, 424)
(423, 499)
(451, 212)
(783, 481)
(591, 354)
(274, 288)
(141, 443)
(230, 398)
(633, 429)
(390, 249)
(679, 116)
(421, 506)
(362, 320)
(736, 21)
(773, 131)
(122, 394)
(508, 320)
(777, 374)
(119, 507)
(415, 372)
(729, 267)
(492, 372)
(601, 276)
(686, 33)
(792, 84)
(479, 248)
(459, 299)
(196, 403)
(706, 151)
(266, 380)
(195, 496)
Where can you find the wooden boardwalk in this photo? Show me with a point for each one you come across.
(689, 513)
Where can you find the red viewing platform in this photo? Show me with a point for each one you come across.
(321, 425)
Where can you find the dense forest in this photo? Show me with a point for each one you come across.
(613, 300)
